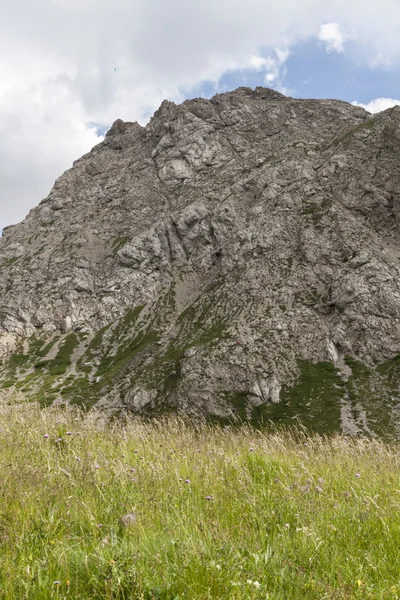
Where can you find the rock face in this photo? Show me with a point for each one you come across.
(237, 256)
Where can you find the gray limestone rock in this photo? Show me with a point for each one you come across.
(200, 258)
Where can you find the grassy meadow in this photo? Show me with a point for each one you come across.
(167, 511)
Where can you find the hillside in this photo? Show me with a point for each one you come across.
(168, 511)
(237, 257)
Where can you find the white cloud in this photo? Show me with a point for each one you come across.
(271, 64)
(378, 105)
(57, 64)
(332, 37)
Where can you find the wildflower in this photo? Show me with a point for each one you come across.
(133, 470)
(100, 525)
(46, 435)
(69, 433)
(359, 582)
(128, 520)
(357, 474)
(318, 489)
(58, 440)
(256, 584)
(67, 582)
(97, 466)
(250, 581)
(112, 562)
(209, 497)
(56, 582)
(213, 564)
(187, 480)
(251, 449)
(287, 525)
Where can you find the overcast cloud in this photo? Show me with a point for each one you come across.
(57, 60)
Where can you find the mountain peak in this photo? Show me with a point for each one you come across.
(238, 255)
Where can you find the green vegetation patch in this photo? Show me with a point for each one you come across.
(118, 243)
(370, 395)
(45, 351)
(239, 403)
(375, 396)
(11, 261)
(314, 400)
(59, 365)
(19, 363)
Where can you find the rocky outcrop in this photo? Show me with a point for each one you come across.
(204, 261)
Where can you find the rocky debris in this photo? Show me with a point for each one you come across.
(201, 257)
(8, 345)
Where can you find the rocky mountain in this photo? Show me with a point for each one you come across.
(238, 257)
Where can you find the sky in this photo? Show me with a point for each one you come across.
(70, 68)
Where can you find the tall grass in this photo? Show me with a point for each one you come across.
(169, 511)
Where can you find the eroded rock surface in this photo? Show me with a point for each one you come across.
(213, 250)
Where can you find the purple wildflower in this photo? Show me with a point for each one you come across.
(46, 435)
(187, 480)
(357, 474)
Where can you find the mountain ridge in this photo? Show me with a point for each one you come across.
(222, 260)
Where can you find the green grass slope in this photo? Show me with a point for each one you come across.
(168, 511)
